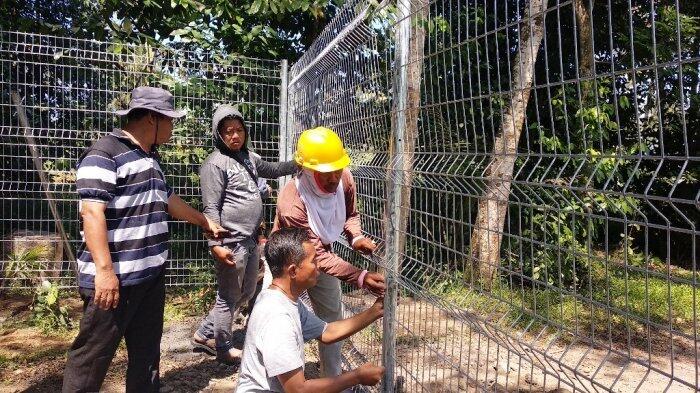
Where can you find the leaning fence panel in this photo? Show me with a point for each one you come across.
(68, 89)
(552, 206)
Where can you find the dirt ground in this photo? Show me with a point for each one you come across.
(33, 361)
(441, 351)
(436, 351)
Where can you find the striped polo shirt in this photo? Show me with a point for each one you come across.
(117, 172)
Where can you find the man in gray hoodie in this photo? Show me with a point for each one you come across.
(231, 196)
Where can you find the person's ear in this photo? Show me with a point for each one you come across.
(152, 117)
(292, 270)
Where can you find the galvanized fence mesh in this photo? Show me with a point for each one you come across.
(530, 169)
(66, 90)
(343, 82)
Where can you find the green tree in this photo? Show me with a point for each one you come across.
(267, 29)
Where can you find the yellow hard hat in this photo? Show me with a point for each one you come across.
(320, 149)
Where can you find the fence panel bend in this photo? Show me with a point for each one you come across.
(530, 169)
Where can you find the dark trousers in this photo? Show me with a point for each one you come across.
(139, 319)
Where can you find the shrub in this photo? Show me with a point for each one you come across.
(47, 312)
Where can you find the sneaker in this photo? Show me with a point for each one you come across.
(230, 357)
(203, 344)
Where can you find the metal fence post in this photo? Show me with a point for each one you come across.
(284, 144)
(395, 176)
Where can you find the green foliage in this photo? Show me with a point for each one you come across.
(201, 274)
(437, 24)
(258, 28)
(668, 22)
(189, 301)
(60, 171)
(23, 267)
(583, 157)
(559, 234)
(47, 313)
(203, 299)
(563, 264)
(5, 361)
(617, 301)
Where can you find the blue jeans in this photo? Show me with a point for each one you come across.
(236, 286)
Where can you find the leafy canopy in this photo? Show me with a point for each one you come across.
(261, 28)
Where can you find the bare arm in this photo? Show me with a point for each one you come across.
(295, 382)
(182, 211)
(95, 230)
(339, 330)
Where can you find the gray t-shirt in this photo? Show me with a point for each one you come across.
(274, 342)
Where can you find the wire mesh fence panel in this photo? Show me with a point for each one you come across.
(342, 82)
(68, 89)
(534, 167)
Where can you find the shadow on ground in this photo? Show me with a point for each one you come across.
(52, 380)
(208, 375)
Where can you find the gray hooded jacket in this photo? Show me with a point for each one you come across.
(230, 194)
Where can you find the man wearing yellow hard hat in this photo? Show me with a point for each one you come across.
(321, 199)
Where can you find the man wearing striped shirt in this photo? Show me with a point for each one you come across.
(124, 207)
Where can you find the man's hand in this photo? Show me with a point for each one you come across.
(364, 246)
(106, 289)
(369, 375)
(375, 283)
(378, 308)
(223, 255)
(213, 230)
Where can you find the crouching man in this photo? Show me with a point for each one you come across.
(273, 353)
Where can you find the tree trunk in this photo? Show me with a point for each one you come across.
(493, 205)
(403, 159)
(585, 46)
(415, 70)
